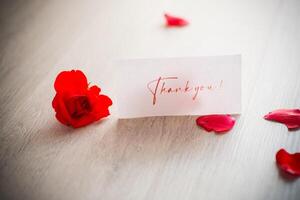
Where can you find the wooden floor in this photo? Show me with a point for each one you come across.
(151, 158)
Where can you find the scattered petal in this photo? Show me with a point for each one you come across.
(175, 21)
(217, 123)
(289, 163)
(289, 117)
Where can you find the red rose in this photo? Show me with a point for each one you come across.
(75, 103)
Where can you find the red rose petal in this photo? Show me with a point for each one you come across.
(61, 113)
(71, 81)
(289, 117)
(217, 123)
(289, 163)
(100, 102)
(175, 21)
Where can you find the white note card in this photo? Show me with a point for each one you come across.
(178, 86)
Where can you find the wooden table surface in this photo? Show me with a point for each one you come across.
(149, 158)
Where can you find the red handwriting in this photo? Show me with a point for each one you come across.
(159, 87)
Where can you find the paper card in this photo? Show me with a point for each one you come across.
(178, 86)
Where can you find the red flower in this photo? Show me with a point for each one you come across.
(75, 103)
(289, 117)
(175, 21)
(289, 163)
(217, 123)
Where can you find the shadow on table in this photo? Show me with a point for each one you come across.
(157, 138)
(141, 141)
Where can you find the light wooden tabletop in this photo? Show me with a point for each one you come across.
(150, 158)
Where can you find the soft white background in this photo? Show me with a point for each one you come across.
(153, 158)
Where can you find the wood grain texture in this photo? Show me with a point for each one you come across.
(149, 158)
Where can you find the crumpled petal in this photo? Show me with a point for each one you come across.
(217, 123)
(289, 163)
(175, 21)
(289, 117)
